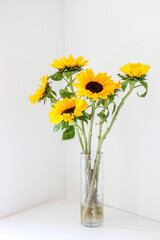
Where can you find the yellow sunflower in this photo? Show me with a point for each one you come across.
(67, 109)
(40, 91)
(91, 86)
(135, 69)
(69, 62)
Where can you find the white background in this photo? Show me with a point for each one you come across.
(36, 166)
(32, 170)
(110, 34)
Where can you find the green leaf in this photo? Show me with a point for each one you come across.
(69, 133)
(124, 85)
(87, 115)
(103, 101)
(143, 77)
(114, 108)
(57, 76)
(122, 77)
(99, 102)
(56, 127)
(54, 93)
(145, 85)
(64, 93)
(64, 125)
(49, 95)
(111, 98)
(82, 118)
(102, 116)
(67, 74)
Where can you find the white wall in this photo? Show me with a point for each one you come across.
(110, 34)
(31, 36)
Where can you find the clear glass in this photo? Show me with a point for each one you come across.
(91, 190)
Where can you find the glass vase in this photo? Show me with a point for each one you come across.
(91, 179)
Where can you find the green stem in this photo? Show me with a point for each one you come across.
(77, 127)
(89, 144)
(114, 117)
(84, 137)
(99, 138)
(70, 84)
(90, 127)
(97, 160)
(101, 122)
(80, 139)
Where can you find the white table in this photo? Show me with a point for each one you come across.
(60, 220)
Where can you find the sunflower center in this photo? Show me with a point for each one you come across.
(94, 87)
(68, 110)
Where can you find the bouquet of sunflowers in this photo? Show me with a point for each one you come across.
(84, 96)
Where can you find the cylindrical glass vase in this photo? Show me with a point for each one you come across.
(91, 190)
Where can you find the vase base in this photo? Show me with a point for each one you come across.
(92, 215)
(92, 224)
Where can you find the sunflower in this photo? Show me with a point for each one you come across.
(135, 69)
(67, 109)
(40, 91)
(69, 62)
(91, 86)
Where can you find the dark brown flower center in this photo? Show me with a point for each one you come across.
(68, 110)
(94, 87)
